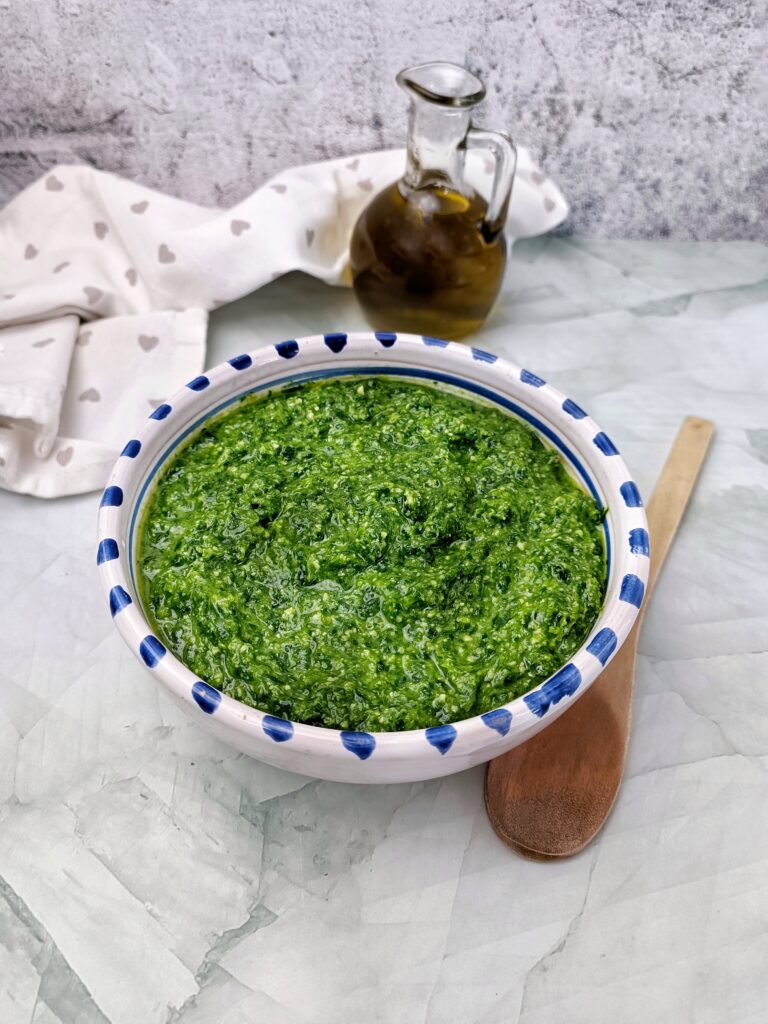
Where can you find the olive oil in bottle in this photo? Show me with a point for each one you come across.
(428, 253)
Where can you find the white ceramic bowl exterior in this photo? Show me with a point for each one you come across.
(378, 757)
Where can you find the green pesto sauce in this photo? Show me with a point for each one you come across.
(370, 554)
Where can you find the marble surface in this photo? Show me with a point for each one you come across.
(649, 115)
(149, 875)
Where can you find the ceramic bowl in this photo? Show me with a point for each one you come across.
(588, 452)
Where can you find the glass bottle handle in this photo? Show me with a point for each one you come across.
(505, 156)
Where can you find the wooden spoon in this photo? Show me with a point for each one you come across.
(550, 796)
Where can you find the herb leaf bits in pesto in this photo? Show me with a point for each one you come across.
(370, 554)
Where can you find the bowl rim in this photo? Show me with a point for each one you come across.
(528, 711)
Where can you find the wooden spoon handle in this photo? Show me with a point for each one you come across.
(673, 489)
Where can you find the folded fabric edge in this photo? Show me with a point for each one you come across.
(48, 478)
(77, 466)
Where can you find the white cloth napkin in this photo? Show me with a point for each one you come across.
(105, 287)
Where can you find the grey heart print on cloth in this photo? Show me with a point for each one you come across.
(93, 294)
(30, 252)
(44, 343)
(140, 207)
(64, 457)
(90, 395)
(53, 184)
(148, 342)
(237, 227)
(100, 229)
(165, 255)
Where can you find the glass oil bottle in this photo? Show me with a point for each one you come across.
(428, 253)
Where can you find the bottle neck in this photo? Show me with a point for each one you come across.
(435, 146)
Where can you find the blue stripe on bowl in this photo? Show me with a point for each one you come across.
(240, 362)
(361, 744)
(562, 684)
(632, 590)
(631, 495)
(435, 342)
(602, 645)
(151, 650)
(287, 349)
(199, 383)
(385, 338)
(113, 496)
(278, 729)
(161, 412)
(335, 342)
(441, 737)
(639, 543)
(500, 720)
(537, 703)
(573, 410)
(206, 697)
(107, 551)
(605, 444)
(132, 449)
(483, 357)
(118, 599)
(530, 378)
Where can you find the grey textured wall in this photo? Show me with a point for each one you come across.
(650, 114)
